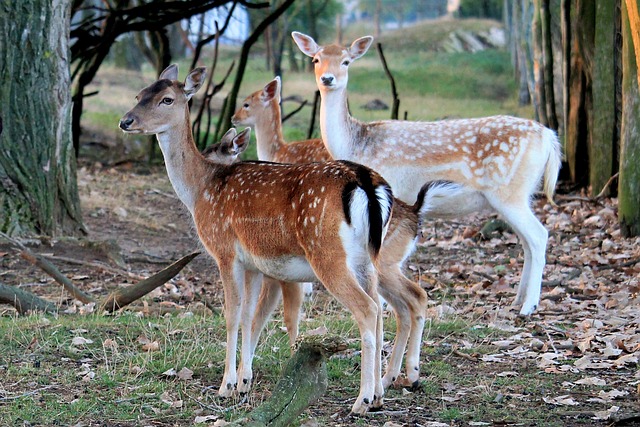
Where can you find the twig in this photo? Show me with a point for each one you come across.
(291, 114)
(394, 92)
(98, 265)
(605, 189)
(50, 269)
(632, 261)
(29, 393)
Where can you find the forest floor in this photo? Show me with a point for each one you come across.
(574, 362)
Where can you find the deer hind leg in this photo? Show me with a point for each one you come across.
(267, 302)
(409, 302)
(389, 288)
(292, 298)
(534, 238)
(252, 286)
(343, 283)
(232, 282)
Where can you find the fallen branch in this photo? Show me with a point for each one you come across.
(24, 301)
(394, 92)
(48, 268)
(125, 296)
(302, 382)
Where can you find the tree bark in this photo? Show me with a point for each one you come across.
(37, 164)
(601, 148)
(629, 185)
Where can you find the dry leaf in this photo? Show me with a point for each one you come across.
(185, 374)
(591, 381)
(80, 341)
(561, 400)
(204, 419)
(152, 346)
(605, 415)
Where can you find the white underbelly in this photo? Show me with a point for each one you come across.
(289, 268)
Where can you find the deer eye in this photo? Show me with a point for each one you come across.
(167, 101)
(346, 62)
(315, 60)
(246, 105)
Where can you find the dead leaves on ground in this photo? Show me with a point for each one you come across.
(588, 320)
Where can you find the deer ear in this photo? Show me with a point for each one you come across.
(360, 47)
(241, 141)
(228, 136)
(194, 81)
(169, 73)
(271, 90)
(306, 44)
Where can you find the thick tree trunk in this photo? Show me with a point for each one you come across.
(629, 186)
(37, 163)
(601, 149)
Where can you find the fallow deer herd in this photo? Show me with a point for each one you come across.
(324, 210)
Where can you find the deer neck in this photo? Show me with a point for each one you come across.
(268, 129)
(336, 125)
(185, 165)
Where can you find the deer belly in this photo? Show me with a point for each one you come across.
(285, 267)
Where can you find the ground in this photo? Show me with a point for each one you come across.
(574, 361)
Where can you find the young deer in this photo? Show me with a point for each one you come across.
(499, 160)
(409, 301)
(291, 222)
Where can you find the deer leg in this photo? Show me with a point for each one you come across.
(341, 282)
(390, 290)
(409, 302)
(292, 297)
(534, 238)
(267, 302)
(232, 282)
(253, 284)
(417, 302)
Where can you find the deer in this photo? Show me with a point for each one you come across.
(261, 110)
(499, 161)
(316, 221)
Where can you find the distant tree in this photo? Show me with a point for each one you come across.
(38, 191)
(481, 9)
(401, 12)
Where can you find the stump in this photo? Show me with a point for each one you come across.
(302, 381)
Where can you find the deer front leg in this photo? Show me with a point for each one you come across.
(232, 283)
(253, 283)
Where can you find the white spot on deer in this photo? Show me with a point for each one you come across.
(504, 147)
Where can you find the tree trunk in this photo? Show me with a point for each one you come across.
(601, 149)
(37, 163)
(629, 185)
(580, 98)
(538, 64)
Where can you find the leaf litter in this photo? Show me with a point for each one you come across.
(578, 351)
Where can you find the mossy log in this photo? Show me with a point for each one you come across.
(302, 382)
(24, 301)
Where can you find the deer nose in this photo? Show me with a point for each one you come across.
(326, 80)
(125, 123)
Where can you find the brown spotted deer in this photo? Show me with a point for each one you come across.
(498, 160)
(290, 222)
(261, 110)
